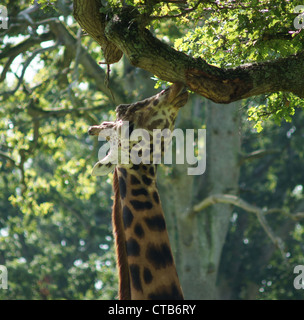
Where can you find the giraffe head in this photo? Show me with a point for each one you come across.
(156, 112)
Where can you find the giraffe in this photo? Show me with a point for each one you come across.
(145, 262)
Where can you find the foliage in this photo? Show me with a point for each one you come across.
(274, 181)
(55, 228)
(242, 32)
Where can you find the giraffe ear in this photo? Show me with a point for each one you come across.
(102, 169)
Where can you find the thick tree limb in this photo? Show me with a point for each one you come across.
(89, 18)
(125, 31)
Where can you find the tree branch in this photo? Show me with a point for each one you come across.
(39, 114)
(7, 157)
(257, 154)
(89, 64)
(126, 33)
(13, 52)
(238, 202)
(25, 66)
(88, 15)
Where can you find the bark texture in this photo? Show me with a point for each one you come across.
(88, 15)
(197, 239)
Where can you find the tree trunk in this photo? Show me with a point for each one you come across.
(198, 239)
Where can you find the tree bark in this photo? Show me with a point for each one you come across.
(222, 175)
(197, 239)
(125, 32)
(88, 15)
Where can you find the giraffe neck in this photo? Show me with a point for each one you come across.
(145, 261)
